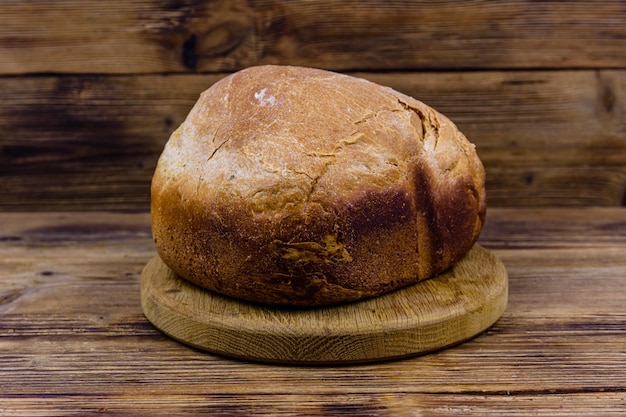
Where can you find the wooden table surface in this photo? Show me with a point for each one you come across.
(73, 338)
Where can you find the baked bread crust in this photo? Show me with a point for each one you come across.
(302, 187)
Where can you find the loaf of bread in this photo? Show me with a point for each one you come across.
(302, 187)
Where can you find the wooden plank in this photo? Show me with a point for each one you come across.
(78, 36)
(73, 338)
(88, 141)
(508, 228)
(92, 142)
(340, 404)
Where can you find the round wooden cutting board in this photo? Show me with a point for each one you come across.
(430, 315)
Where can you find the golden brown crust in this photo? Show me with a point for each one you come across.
(297, 186)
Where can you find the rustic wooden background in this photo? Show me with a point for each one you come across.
(91, 90)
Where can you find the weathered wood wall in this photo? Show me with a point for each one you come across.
(90, 91)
